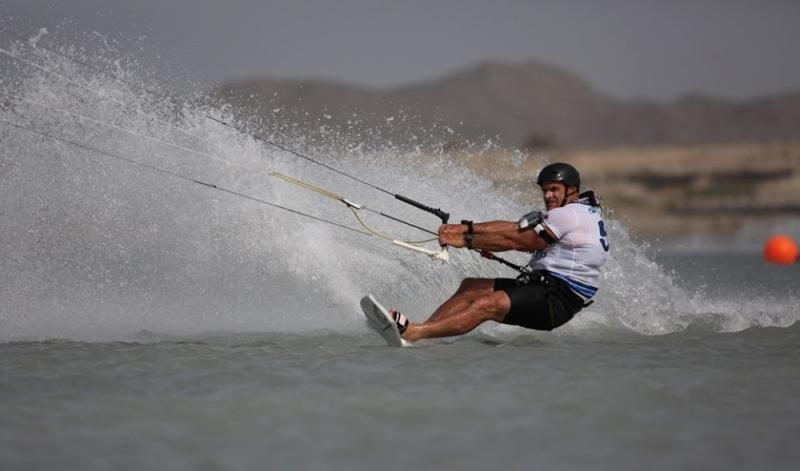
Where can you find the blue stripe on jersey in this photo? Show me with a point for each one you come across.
(587, 291)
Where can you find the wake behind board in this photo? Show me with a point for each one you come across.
(379, 319)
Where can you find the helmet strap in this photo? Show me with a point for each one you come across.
(566, 195)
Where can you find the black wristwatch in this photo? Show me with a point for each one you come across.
(468, 235)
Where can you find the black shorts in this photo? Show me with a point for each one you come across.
(543, 303)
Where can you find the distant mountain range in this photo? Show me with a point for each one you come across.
(521, 106)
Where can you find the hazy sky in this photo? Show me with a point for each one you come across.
(630, 48)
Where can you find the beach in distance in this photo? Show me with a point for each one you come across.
(677, 193)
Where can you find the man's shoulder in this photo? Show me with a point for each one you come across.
(578, 209)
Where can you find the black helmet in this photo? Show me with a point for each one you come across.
(560, 172)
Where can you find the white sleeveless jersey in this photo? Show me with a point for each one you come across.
(580, 249)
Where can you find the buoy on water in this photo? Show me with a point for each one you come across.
(781, 249)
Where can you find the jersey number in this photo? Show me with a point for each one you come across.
(603, 235)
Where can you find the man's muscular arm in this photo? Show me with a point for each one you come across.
(494, 236)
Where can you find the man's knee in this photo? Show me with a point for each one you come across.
(476, 284)
(493, 306)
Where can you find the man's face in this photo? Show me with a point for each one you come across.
(553, 193)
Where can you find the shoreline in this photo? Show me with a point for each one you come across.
(676, 192)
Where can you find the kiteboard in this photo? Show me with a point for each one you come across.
(379, 319)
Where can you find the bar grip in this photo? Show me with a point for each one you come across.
(438, 212)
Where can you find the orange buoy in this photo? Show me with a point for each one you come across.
(780, 249)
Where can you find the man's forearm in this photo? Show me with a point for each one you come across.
(494, 236)
(497, 236)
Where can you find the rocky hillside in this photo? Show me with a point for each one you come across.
(518, 106)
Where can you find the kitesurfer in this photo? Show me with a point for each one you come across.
(569, 246)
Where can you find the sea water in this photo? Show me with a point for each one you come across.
(151, 323)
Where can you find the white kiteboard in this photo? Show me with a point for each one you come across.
(379, 319)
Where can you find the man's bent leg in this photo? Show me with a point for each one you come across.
(470, 290)
(493, 306)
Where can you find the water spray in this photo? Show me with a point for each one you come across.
(440, 255)
(162, 96)
(177, 175)
(443, 216)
